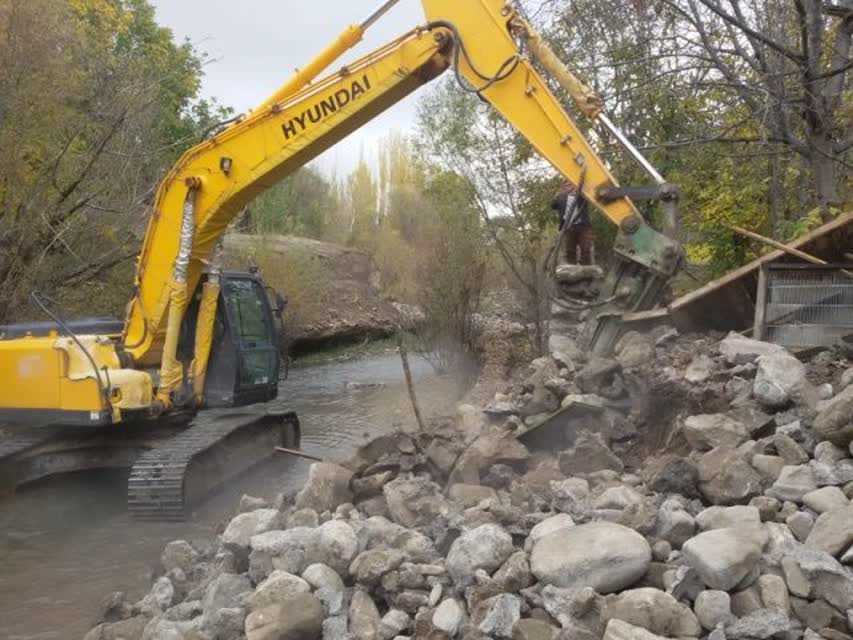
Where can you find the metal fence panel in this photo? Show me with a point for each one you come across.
(808, 306)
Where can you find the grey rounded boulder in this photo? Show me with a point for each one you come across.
(486, 547)
(605, 556)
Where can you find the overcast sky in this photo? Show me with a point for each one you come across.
(256, 45)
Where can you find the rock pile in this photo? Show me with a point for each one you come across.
(741, 528)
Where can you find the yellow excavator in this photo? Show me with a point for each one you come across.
(162, 391)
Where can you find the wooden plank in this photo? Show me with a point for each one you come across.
(711, 287)
(802, 255)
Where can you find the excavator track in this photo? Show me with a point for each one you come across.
(13, 444)
(168, 479)
(20, 442)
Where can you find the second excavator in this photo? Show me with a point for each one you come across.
(160, 392)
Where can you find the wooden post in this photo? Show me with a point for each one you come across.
(298, 454)
(404, 356)
(760, 304)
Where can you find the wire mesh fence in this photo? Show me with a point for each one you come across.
(808, 306)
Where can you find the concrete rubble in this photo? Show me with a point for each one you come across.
(708, 497)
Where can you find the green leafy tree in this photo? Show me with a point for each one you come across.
(89, 131)
(302, 204)
(361, 200)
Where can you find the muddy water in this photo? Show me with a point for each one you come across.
(67, 542)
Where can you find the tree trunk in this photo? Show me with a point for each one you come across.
(824, 173)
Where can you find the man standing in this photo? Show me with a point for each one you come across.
(579, 236)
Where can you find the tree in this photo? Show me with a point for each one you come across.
(401, 186)
(688, 87)
(96, 101)
(789, 66)
(361, 200)
(461, 134)
(302, 204)
(451, 264)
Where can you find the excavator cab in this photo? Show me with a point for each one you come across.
(245, 359)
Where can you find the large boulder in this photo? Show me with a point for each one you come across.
(501, 614)
(577, 610)
(678, 475)
(327, 586)
(495, 446)
(327, 487)
(725, 517)
(278, 586)
(178, 554)
(674, 524)
(550, 525)
(832, 532)
(369, 566)
(297, 617)
(470, 495)
(724, 557)
(334, 544)
(653, 610)
(815, 574)
(533, 629)
(224, 592)
(486, 547)
(793, 483)
(620, 630)
(761, 624)
(713, 608)
(449, 616)
(780, 378)
(835, 421)
(725, 477)
(605, 556)
(285, 549)
(364, 618)
(707, 431)
(241, 529)
(414, 500)
(381, 532)
(739, 350)
(590, 454)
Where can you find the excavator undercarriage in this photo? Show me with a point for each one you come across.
(173, 465)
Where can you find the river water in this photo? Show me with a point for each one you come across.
(67, 542)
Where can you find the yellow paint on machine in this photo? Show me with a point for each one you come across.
(52, 373)
(37, 374)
